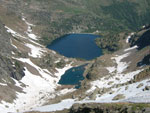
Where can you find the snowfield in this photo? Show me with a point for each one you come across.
(64, 104)
(117, 75)
(132, 93)
(39, 88)
(121, 66)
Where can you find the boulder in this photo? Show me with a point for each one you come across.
(146, 88)
(118, 97)
(93, 95)
(126, 88)
(146, 110)
(140, 85)
(110, 82)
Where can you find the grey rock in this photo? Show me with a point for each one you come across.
(110, 82)
(140, 85)
(118, 97)
(146, 88)
(6, 66)
(126, 88)
(146, 110)
(93, 95)
(111, 92)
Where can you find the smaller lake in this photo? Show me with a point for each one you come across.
(73, 76)
(77, 46)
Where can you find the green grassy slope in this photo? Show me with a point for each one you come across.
(55, 18)
(103, 15)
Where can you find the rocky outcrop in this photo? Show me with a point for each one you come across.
(5, 44)
(142, 75)
(141, 39)
(140, 85)
(146, 88)
(110, 108)
(7, 69)
(118, 97)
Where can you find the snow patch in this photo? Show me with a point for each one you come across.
(128, 38)
(32, 36)
(3, 84)
(36, 52)
(64, 104)
(121, 66)
(13, 33)
(24, 19)
(29, 29)
(57, 61)
(111, 69)
(65, 91)
(16, 82)
(144, 26)
(62, 71)
(13, 44)
(131, 48)
(12, 53)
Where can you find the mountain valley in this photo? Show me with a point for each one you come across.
(116, 82)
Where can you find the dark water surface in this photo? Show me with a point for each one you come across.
(77, 46)
(73, 76)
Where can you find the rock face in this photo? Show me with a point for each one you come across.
(6, 66)
(8, 71)
(5, 45)
(143, 75)
(143, 40)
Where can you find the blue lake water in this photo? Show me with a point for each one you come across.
(73, 76)
(77, 46)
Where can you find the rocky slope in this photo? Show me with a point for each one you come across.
(113, 78)
(29, 72)
(8, 71)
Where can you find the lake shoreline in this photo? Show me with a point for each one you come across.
(81, 46)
